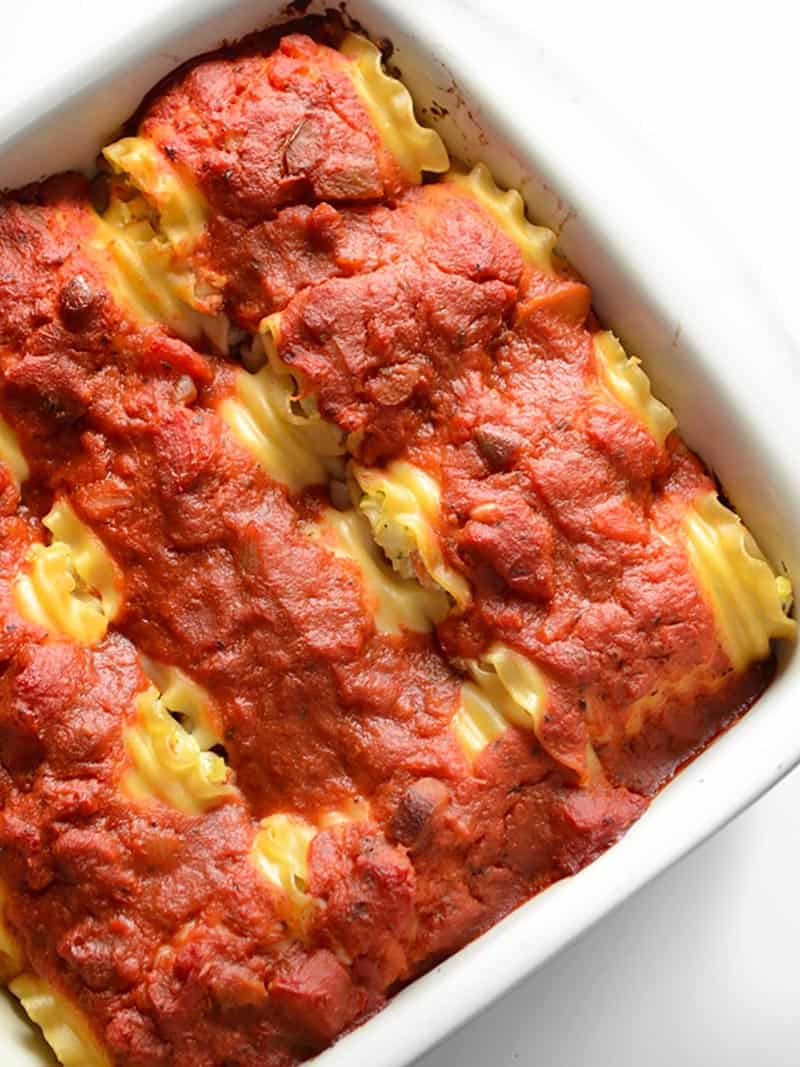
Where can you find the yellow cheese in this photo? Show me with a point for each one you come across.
(750, 603)
(11, 454)
(391, 109)
(63, 1026)
(396, 603)
(72, 585)
(628, 383)
(403, 505)
(168, 762)
(507, 208)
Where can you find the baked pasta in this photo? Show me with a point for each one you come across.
(354, 585)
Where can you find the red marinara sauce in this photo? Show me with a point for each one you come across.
(418, 326)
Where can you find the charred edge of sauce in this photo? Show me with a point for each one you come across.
(37, 193)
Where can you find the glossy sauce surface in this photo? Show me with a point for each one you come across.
(422, 332)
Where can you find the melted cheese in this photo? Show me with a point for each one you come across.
(168, 762)
(11, 454)
(395, 603)
(403, 505)
(181, 207)
(63, 1026)
(750, 603)
(628, 383)
(391, 109)
(294, 448)
(507, 208)
(11, 958)
(71, 586)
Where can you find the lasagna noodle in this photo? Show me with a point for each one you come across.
(514, 687)
(295, 450)
(281, 429)
(148, 277)
(90, 558)
(750, 603)
(297, 406)
(403, 506)
(395, 603)
(185, 698)
(507, 209)
(180, 207)
(625, 380)
(63, 1026)
(389, 104)
(506, 689)
(280, 854)
(477, 722)
(71, 586)
(11, 957)
(169, 762)
(11, 454)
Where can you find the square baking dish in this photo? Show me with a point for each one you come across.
(663, 282)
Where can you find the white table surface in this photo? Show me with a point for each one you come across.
(701, 967)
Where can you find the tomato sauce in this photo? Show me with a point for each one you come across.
(420, 329)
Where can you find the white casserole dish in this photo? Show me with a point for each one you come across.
(713, 355)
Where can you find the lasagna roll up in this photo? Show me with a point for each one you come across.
(521, 466)
(354, 586)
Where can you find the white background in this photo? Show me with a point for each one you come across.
(700, 968)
